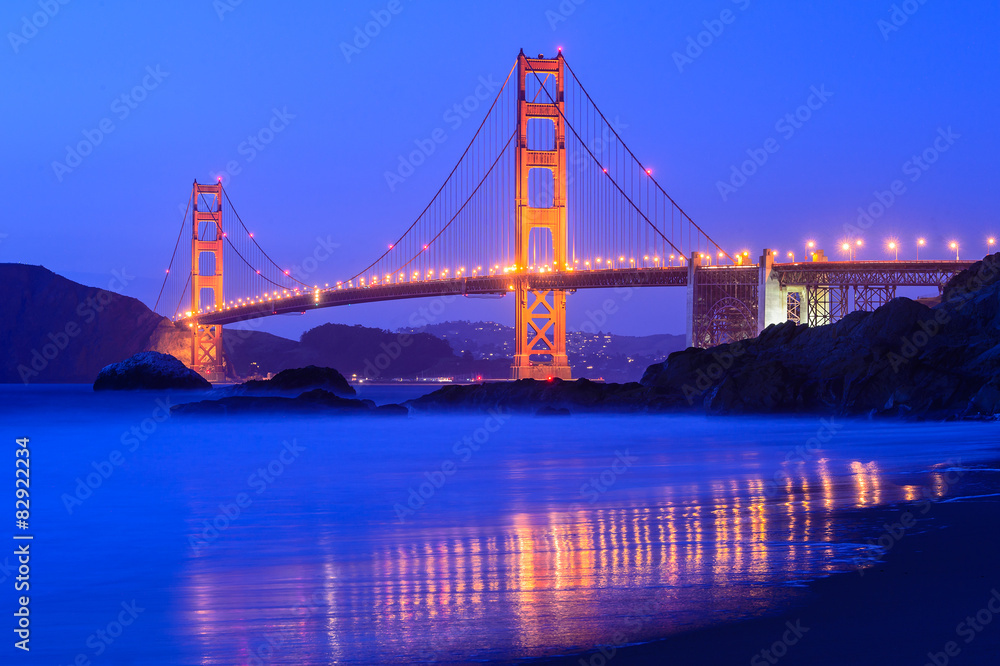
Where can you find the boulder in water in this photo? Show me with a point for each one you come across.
(295, 381)
(149, 370)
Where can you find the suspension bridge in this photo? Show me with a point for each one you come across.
(546, 199)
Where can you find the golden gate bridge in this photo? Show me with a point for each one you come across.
(546, 199)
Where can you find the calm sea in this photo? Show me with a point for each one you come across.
(433, 538)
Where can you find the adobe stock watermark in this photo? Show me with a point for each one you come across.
(562, 12)
(912, 169)
(893, 532)
(802, 454)
(122, 107)
(265, 650)
(31, 25)
(423, 316)
(899, 15)
(363, 35)
(696, 44)
(322, 251)
(597, 144)
(258, 481)
(255, 144)
(595, 319)
(641, 615)
(911, 345)
(787, 126)
(593, 488)
(87, 313)
(130, 440)
(707, 377)
(454, 116)
(462, 451)
(968, 629)
(223, 7)
(779, 648)
(104, 638)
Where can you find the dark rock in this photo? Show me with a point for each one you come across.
(297, 380)
(531, 396)
(316, 401)
(549, 410)
(149, 370)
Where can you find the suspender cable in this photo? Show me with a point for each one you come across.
(176, 245)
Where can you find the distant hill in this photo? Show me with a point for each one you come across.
(619, 358)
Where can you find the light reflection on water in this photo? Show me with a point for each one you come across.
(713, 521)
(549, 582)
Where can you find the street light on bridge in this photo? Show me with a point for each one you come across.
(954, 246)
(990, 242)
(894, 248)
(849, 247)
(920, 243)
(810, 245)
(792, 256)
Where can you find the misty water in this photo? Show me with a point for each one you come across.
(436, 538)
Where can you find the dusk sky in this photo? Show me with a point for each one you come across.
(199, 78)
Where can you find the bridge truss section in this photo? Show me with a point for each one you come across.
(725, 305)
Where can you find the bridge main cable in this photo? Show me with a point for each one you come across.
(256, 244)
(637, 161)
(174, 255)
(443, 185)
(596, 161)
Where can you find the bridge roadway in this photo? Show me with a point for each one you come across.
(825, 273)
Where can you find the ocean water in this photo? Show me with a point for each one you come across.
(434, 538)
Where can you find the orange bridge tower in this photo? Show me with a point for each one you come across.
(540, 219)
(207, 242)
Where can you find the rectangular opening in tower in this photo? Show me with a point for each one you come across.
(208, 230)
(207, 202)
(540, 248)
(206, 298)
(206, 263)
(541, 134)
(541, 188)
(540, 88)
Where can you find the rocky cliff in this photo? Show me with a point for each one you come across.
(57, 330)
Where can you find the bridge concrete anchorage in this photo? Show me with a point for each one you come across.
(730, 303)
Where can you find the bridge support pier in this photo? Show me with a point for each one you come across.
(772, 307)
(693, 264)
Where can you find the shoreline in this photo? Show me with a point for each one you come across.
(905, 607)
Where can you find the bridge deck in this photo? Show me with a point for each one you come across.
(870, 273)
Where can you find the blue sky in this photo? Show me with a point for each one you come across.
(210, 74)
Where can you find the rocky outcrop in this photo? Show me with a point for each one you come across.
(541, 397)
(149, 370)
(316, 401)
(295, 381)
(903, 359)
